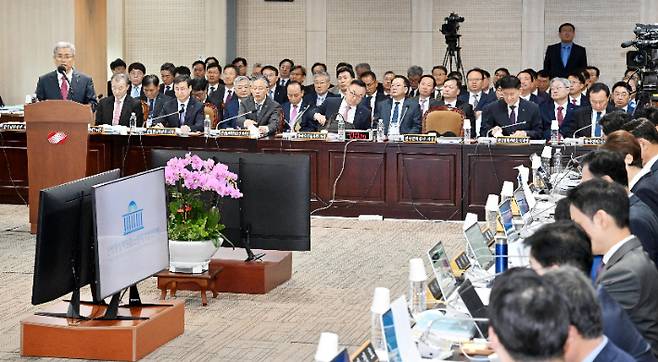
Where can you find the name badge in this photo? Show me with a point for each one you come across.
(513, 141)
(311, 136)
(13, 126)
(593, 141)
(157, 131)
(418, 138)
(234, 133)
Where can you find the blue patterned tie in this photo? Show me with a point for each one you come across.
(151, 108)
(396, 111)
(597, 128)
(181, 115)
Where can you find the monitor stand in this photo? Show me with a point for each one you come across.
(246, 242)
(73, 311)
(112, 311)
(134, 300)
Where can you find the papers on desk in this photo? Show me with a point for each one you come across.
(15, 110)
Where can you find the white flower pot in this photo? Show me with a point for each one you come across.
(190, 256)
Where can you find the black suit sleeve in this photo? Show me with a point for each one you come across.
(40, 91)
(196, 122)
(547, 59)
(90, 95)
(139, 113)
(488, 121)
(535, 130)
(99, 112)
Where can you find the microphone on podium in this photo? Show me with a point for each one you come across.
(234, 117)
(580, 129)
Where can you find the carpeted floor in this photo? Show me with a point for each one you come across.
(330, 290)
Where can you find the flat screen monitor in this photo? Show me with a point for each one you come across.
(479, 246)
(130, 220)
(65, 238)
(506, 219)
(521, 202)
(275, 207)
(441, 266)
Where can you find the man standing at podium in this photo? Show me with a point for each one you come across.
(66, 82)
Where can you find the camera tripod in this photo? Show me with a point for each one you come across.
(452, 60)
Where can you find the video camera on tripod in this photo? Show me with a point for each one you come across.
(644, 61)
(450, 29)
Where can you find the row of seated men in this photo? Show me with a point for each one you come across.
(591, 293)
(522, 109)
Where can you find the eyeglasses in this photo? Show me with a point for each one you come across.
(357, 95)
(64, 56)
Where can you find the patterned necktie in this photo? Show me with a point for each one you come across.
(181, 115)
(560, 115)
(597, 128)
(135, 92)
(117, 113)
(64, 89)
(512, 115)
(475, 101)
(151, 107)
(573, 101)
(293, 114)
(396, 113)
(167, 89)
(212, 90)
(271, 94)
(229, 95)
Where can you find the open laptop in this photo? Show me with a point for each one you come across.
(523, 205)
(478, 246)
(475, 306)
(506, 220)
(441, 266)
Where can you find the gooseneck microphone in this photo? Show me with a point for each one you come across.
(234, 117)
(504, 127)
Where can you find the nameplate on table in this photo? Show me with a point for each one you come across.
(13, 126)
(514, 141)
(592, 141)
(95, 129)
(418, 138)
(311, 136)
(234, 133)
(365, 353)
(358, 134)
(159, 131)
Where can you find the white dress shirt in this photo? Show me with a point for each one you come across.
(593, 128)
(645, 170)
(60, 78)
(614, 248)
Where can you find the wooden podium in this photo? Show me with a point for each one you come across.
(57, 133)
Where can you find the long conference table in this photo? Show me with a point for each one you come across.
(395, 180)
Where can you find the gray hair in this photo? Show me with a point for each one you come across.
(241, 79)
(63, 45)
(414, 70)
(584, 310)
(566, 82)
(120, 77)
(260, 77)
(322, 74)
(362, 65)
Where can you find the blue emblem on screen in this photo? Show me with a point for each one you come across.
(132, 221)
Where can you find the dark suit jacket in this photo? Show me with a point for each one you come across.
(269, 115)
(464, 106)
(485, 99)
(547, 111)
(553, 60)
(644, 225)
(193, 114)
(379, 97)
(171, 92)
(582, 117)
(620, 330)
(646, 188)
(611, 352)
(230, 110)
(495, 114)
(81, 89)
(330, 109)
(312, 98)
(160, 100)
(631, 279)
(286, 113)
(540, 98)
(409, 113)
(280, 94)
(105, 111)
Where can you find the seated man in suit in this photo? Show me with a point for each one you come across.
(167, 71)
(295, 108)
(71, 85)
(601, 208)
(200, 93)
(528, 317)
(116, 66)
(413, 74)
(543, 82)
(609, 166)
(645, 183)
(451, 87)
(240, 64)
(118, 108)
(232, 105)
(426, 88)
(188, 111)
(285, 66)
(586, 339)
(266, 113)
(276, 92)
(321, 85)
(564, 243)
(559, 109)
(401, 115)
(529, 91)
(440, 74)
(213, 76)
(576, 96)
(356, 115)
(154, 99)
(565, 56)
(511, 116)
(386, 83)
(344, 76)
(373, 94)
(475, 95)
(298, 74)
(621, 95)
(199, 69)
(587, 119)
(136, 72)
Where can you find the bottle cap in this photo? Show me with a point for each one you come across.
(524, 173)
(381, 300)
(417, 270)
(555, 125)
(327, 347)
(492, 203)
(536, 162)
(507, 190)
(467, 124)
